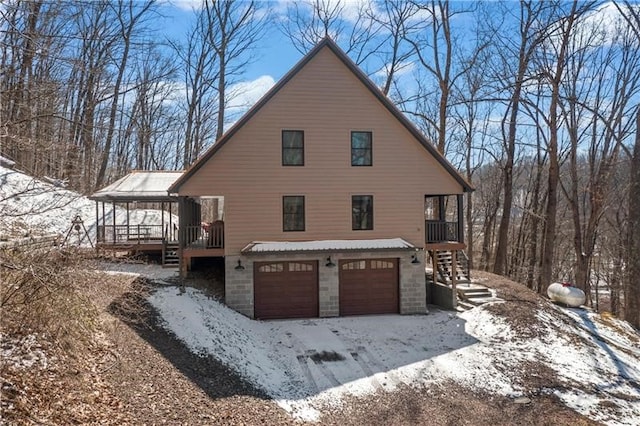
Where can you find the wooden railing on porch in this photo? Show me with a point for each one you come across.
(128, 234)
(438, 231)
(211, 236)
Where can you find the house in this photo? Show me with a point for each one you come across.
(331, 198)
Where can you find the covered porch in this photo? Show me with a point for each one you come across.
(137, 214)
(142, 214)
(201, 229)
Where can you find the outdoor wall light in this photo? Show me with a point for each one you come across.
(329, 263)
(239, 267)
(415, 260)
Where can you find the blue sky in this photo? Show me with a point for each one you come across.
(275, 53)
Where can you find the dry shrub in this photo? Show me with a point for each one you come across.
(53, 349)
(38, 294)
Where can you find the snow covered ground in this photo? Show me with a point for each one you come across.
(29, 206)
(309, 365)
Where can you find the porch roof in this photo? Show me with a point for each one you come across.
(327, 245)
(139, 186)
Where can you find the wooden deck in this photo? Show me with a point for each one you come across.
(445, 245)
(203, 241)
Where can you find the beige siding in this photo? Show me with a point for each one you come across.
(327, 102)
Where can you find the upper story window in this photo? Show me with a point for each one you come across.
(361, 153)
(362, 212)
(293, 213)
(292, 148)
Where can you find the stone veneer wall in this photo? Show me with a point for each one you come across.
(239, 284)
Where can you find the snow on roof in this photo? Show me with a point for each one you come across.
(139, 186)
(324, 245)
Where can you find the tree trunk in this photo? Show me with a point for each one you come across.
(632, 287)
(551, 211)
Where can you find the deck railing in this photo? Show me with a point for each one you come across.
(197, 236)
(440, 231)
(129, 234)
(210, 236)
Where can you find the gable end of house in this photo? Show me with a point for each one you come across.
(331, 45)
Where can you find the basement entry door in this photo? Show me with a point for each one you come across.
(368, 286)
(285, 289)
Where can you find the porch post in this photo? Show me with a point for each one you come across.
(162, 219)
(128, 223)
(460, 198)
(171, 236)
(182, 218)
(104, 223)
(97, 224)
(113, 206)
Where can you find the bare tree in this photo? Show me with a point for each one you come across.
(129, 15)
(309, 21)
(632, 284)
(530, 35)
(553, 62)
(235, 27)
(596, 52)
(632, 288)
(472, 118)
(199, 65)
(435, 48)
(396, 21)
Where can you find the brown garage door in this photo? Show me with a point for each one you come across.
(285, 289)
(368, 286)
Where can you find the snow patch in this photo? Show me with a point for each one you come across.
(377, 353)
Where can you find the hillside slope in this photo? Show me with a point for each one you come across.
(522, 349)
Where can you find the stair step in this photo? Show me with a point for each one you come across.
(463, 306)
(482, 300)
(476, 297)
(475, 293)
(170, 257)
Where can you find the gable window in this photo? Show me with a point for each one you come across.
(362, 212)
(293, 213)
(292, 148)
(361, 148)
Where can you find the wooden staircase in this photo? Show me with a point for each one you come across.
(170, 256)
(444, 259)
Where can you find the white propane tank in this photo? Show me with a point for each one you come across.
(567, 294)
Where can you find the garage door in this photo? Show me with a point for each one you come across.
(368, 286)
(285, 289)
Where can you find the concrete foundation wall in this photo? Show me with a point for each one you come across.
(238, 285)
(442, 295)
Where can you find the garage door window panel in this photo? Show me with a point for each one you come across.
(300, 267)
(274, 267)
(359, 264)
(381, 264)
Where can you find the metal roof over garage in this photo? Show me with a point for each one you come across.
(327, 245)
(139, 186)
